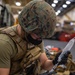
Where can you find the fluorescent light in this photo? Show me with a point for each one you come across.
(18, 3)
(57, 13)
(64, 5)
(53, 5)
(68, 2)
(57, 24)
(55, 1)
(19, 12)
(71, 23)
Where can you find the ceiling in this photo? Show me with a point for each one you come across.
(58, 7)
(15, 9)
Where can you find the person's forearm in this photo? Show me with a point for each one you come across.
(48, 65)
(4, 71)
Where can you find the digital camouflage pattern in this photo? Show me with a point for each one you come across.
(38, 17)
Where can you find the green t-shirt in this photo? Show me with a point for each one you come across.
(7, 51)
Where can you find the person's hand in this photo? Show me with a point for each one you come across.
(64, 58)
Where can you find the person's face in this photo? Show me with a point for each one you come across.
(34, 38)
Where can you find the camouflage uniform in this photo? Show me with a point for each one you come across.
(37, 17)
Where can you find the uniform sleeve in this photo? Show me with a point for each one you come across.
(5, 54)
(7, 51)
